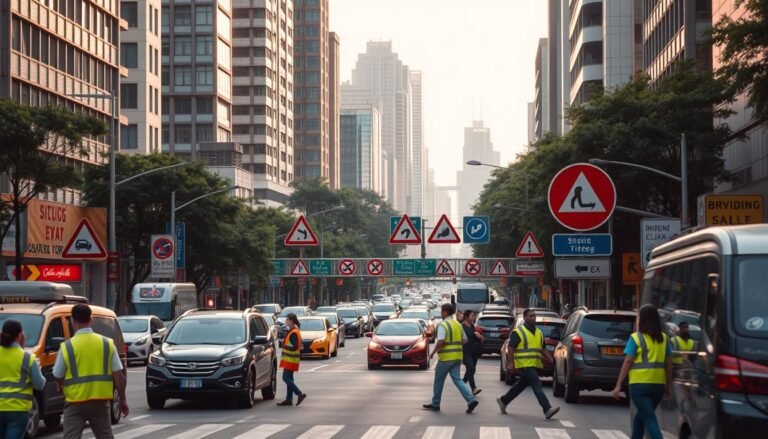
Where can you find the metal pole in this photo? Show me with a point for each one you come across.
(423, 239)
(112, 285)
(322, 243)
(173, 231)
(684, 178)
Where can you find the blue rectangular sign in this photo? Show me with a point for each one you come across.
(477, 230)
(582, 244)
(181, 241)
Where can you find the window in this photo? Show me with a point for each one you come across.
(165, 77)
(129, 11)
(182, 134)
(204, 106)
(166, 134)
(166, 47)
(204, 45)
(241, 52)
(182, 16)
(182, 105)
(129, 96)
(165, 18)
(205, 133)
(182, 46)
(241, 129)
(204, 75)
(182, 76)
(241, 110)
(55, 331)
(203, 15)
(129, 55)
(129, 137)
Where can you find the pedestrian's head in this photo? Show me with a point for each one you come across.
(469, 316)
(81, 316)
(683, 329)
(446, 310)
(12, 333)
(292, 321)
(649, 322)
(529, 316)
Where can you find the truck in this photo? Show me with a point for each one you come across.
(472, 296)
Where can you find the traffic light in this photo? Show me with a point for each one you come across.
(210, 301)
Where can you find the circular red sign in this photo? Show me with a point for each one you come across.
(472, 267)
(162, 248)
(347, 267)
(375, 267)
(582, 197)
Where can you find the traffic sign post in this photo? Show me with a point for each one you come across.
(445, 269)
(84, 243)
(444, 232)
(654, 232)
(321, 267)
(582, 197)
(301, 234)
(583, 269)
(375, 267)
(477, 230)
(499, 269)
(473, 267)
(300, 269)
(405, 232)
(162, 257)
(347, 267)
(582, 244)
(528, 269)
(529, 248)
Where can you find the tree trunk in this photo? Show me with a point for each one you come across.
(19, 256)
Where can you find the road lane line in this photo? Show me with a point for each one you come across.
(353, 353)
(263, 431)
(552, 433)
(318, 367)
(200, 431)
(495, 433)
(438, 433)
(136, 418)
(414, 419)
(141, 431)
(321, 432)
(381, 432)
(567, 424)
(610, 434)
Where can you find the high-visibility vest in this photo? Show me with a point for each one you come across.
(15, 379)
(88, 357)
(683, 346)
(649, 364)
(528, 349)
(452, 347)
(291, 356)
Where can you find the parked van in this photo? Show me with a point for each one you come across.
(167, 301)
(715, 279)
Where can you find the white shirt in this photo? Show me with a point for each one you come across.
(441, 332)
(60, 367)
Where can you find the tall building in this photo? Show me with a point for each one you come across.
(334, 107)
(360, 136)
(419, 173)
(140, 91)
(558, 64)
(531, 122)
(541, 102)
(471, 179)
(263, 85)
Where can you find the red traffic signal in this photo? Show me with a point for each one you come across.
(210, 301)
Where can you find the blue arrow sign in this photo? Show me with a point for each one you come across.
(582, 244)
(477, 230)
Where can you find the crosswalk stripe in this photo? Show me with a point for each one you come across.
(568, 424)
(381, 432)
(263, 431)
(321, 432)
(438, 433)
(141, 431)
(495, 433)
(610, 434)
(552, 433)
(201, 431)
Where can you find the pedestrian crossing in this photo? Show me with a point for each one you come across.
(282, 431)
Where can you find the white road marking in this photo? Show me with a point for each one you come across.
(338, 361)
(438, 433)
(610, 434)
(414, 419)
(201, 431)
(567, 424)
(353, 353)
(136, 418)
(381, 432)
(495, 433)
(318, 367)
(321, 432)
(141, 431)
(552, 433)
(365, 349)
(263, 431)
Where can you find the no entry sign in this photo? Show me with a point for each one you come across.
(582, 197)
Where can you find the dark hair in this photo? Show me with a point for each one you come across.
(683, 325)
(528, 311)
(447, 308)
(11, 330)
(292, 317)
(81, 313)
(649, 322)
(468, 313)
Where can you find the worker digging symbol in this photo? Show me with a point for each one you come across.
(577, 197)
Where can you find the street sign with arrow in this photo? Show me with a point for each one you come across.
(405, 232)
(301, 234)
(583, 268)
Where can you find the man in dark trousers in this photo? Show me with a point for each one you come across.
(472, 350)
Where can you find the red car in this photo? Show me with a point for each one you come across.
(546, 325)
(398, 342)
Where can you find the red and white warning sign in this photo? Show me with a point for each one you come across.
(499, 269)
(84, 244)
(582, 197)
(347, 267)
(444, 269)
(300, 269)
(375, 267)
(473, 267)
(444, 232)
(405, 232)
(529, 248)
(301, 234)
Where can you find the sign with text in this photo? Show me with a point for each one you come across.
(582, 244)
(47, 273)
(162, 256)
(654, 232)
(526, 269)
(321, 267)
(730, 209)
(583, 268)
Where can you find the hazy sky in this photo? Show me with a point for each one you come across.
(473, 54)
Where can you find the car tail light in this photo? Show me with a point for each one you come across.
(740, 376)
(578, 344)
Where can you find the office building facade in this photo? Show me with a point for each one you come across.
(471, 179)
(360, 136)
(541, 101)
(419, 169)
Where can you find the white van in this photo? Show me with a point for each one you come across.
(164, 300)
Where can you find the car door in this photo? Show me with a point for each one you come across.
(54, 336)
(262, 354)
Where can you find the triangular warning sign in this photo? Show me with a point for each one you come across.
(444, 269)
(529, 248)
(405, 232)
(300, 269)
(499, 269)
(301, 234)
(581, 198)
(84, 244)
(444, 233)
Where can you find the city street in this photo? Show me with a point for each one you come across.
(345, 400)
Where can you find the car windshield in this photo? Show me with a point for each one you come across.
(383, 307)
(348, 313)
(297, 311)
(326, 309)
(608, 326)
(436, 314)
(415, 315)
(265, 309)
(398, 328)
(128, 324)
(362, 310)
(31, 324)
(405, 303)
(331, 317)
(547, 328)
(218, 331)
(472, 295)
(312, 325)
(163, 310)
(751, 279)
(494, 322)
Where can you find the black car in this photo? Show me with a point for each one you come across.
(495, 327)
(214, 354)
(353, 321)
(383, 311)
(338, 323)
(272, 309)
(282, 328)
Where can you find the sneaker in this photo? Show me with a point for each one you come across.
(285, 403)
(476, 391)
(471, 406)
(431, 407)
(301, 398)
(502, 406)
(551, 412)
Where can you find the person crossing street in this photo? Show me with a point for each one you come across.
(450, 339)
(291, 357)
(472, 350)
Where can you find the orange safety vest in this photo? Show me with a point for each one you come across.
(291, 355)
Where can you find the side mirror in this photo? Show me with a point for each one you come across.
(54, 343)
(369, 334)
(260, 339)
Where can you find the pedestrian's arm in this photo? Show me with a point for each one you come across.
(668, 373)
(548, 355)
(59, 370)
(38, 380)
(628, 360)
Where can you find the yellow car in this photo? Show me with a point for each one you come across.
(318, 338)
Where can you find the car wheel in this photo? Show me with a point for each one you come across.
(114, 407)
(336, 351)
(247, 400)
(571, 390)
(155, 402)
(371, 366)
(558, 389)
(268, 393)
(52, 422)
(33, 421)
(424, 365)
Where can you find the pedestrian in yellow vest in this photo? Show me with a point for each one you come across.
(682, 343)
(526, 346)
(648, 362)
(448, 347)
(87, 367)
(19, 374)
(290, 359)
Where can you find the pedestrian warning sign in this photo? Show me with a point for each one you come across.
(529, 248)
(581, 198)
(83, 244)
(632, 268)
(301, 234)
(444, 269)
(300, 269)
(405, 232)
(444, 233)
(499, 269)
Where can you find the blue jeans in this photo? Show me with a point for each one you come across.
(292, 387)
(529, 376)
(442, 370)
(646, 398)
(13, 425)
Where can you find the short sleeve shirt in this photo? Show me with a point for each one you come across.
(60, 368)
(441, 332)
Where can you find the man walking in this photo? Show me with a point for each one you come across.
(88, 366)
(450, 339)
(472, 349)
(526, 346)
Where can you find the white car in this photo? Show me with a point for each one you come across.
(142, 335)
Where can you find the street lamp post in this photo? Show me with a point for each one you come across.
(525, 176)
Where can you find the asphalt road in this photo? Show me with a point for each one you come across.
(346, 400)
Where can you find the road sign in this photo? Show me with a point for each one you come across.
(84, 244)
(632, 271)
(473, 267)
(301, 234)
(274, 281)
(300, 269)
(181, 243)
(405, 232)
(499, 269)
(375, 267)
(582, 244)
(654, 232)
(347, 267)
(582, 197)
(403, 267)
(526, 269)
(321, 267)
(529, 248)
(583, 268)
(730, 209)
(445, 269)
(477, 230)
(444, 233)
(278, 267)
(161, 253)
(46, 272)
(394, 220)
(425, 267)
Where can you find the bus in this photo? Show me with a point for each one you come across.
(472, 296)
(167, 301)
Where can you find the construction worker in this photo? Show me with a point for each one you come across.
(682, 343)
(291, 357)
(526, 346)
(19, 374)
(88, 368)
(450, 339)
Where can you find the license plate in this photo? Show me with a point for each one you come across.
(397, 356)
(613, 351)
(191, 384)
(550, 348)
(493, 334)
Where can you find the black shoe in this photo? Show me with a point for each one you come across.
(476, 391)
(431, 407)
(301, 398)
(471, 406)
(285, 403)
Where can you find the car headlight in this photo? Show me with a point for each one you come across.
(142, 341)
(421, 344)
(374, 345)
(352, 323)
(234, 361)
(157, 360)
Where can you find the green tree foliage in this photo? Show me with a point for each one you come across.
(743, 44)
(34, 142)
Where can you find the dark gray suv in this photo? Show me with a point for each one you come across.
(591, 351)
